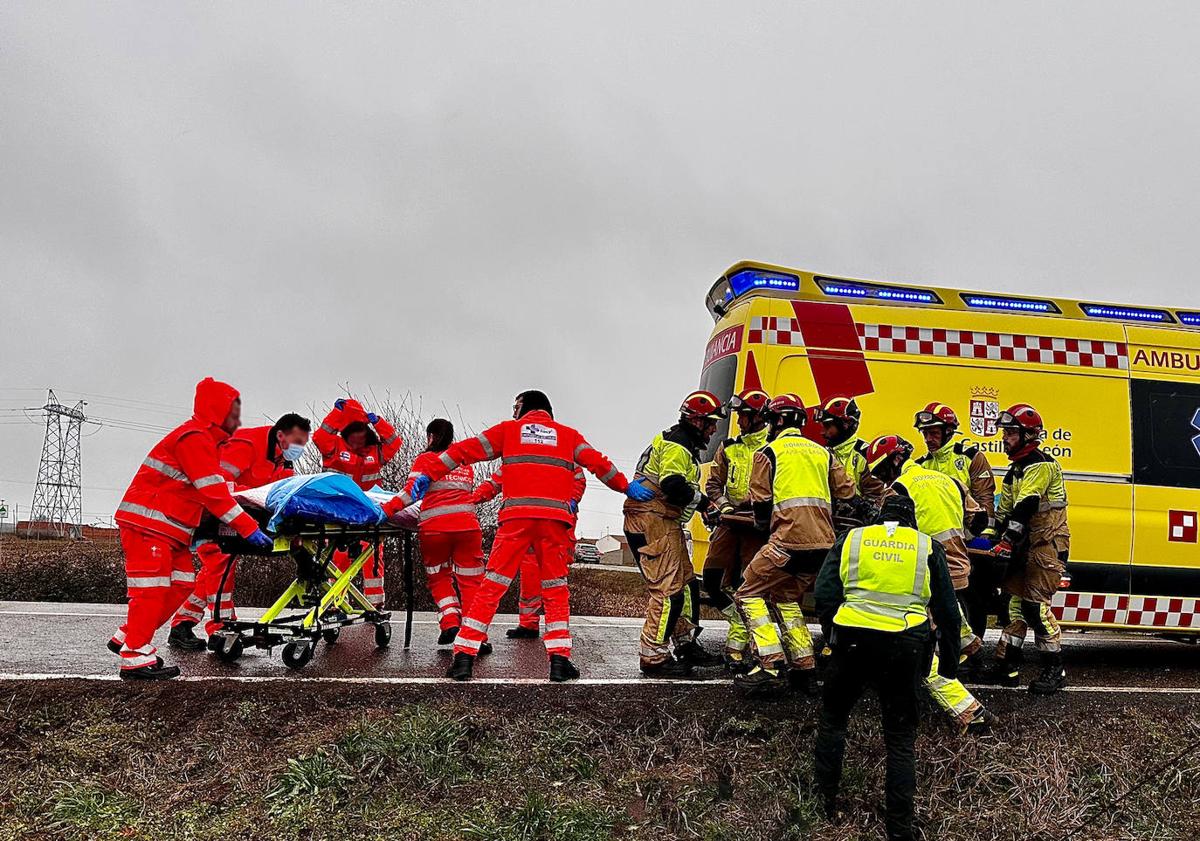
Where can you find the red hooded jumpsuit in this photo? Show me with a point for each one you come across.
(539, 456)
(244, 464)
(451, 541)
(177, 482)
(364, 469)
(529, 607)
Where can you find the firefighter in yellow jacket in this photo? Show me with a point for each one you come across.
(793, 485)
(1034, 542)
(840, 418)
(734, 541)
(670, 467)
(944, 511)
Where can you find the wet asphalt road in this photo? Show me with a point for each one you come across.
(47, 639)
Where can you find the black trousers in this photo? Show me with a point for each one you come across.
(893, 664)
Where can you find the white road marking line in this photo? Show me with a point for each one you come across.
(523, 681)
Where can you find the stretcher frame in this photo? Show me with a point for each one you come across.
(321, 600)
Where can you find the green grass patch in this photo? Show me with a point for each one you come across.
(85, 810)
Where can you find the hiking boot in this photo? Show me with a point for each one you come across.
(671, 668)
(447, 636)
(522, 633)
(982, 723)
(182, 638)
(759, 682)
(1052, 678)
(485, 649)
(158, 671)
(113, 646)
(803, 681)
(697, 656)
(562, 669)
(462, 668)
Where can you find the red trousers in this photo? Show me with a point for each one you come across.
(549, 540)
(529, 607)
(158, 577)
(372, 574)
(453, 568)
(208, 593)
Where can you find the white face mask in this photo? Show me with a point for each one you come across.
(293, 452)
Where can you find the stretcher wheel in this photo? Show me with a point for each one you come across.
(229, 650)
(383, 634)
(331, 635)
(297, 654)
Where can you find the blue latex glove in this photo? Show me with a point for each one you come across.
(339, 404)
(259, 540)
(420, 485)
(639, 492)
(981, 543)
(572, 506)
(372, 418)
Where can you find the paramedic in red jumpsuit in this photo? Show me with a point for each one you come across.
(359, 444)
(177, 482)
(451, 540)
(250, 458)
(538, 456)
(529, 606)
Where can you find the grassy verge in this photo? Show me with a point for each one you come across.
(308, 761)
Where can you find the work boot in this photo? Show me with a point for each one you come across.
(803, 681)
(737, 664)
(973, 669)
(562, 669)
(447, 636)
(697, 656)
(1052, 678)
(485, 649)
(522, 633)
(182, 638)
(158, 671)
(1001, 673)
(464, 665)
(981, 723)
(667, 669)
(760, 682)
(113, 646)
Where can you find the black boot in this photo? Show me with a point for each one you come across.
(113, 646)
(760, 682)
(981, 723)
(157, 671)
(485, 649)
(562, 669)
(447, 636)
(182, 638)
(671, 668)
(464, 665)
(522, 633)
(737, 665)
(803, 681)
(697, 656)
(1052, 678)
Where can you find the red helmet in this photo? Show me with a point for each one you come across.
(840, 410)
(883, 446)
(788, 408)
(749, 400)
(1021, 416)
(702, 404)
(936, 414)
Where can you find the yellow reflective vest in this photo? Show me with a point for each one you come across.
(938, 498)
(739, 452)
(885, 576)
(801, 471)
(665, 458)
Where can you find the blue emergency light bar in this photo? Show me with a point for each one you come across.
(742, 282)
(996, 302)
(1126, 313)
(1191, 319)
(858, 289)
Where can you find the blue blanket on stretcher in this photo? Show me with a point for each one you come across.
(321, 498)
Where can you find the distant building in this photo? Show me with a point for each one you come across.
(614, 550)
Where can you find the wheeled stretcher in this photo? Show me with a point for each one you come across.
(322, 599)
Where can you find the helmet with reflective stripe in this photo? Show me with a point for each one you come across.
(787, 408)
(1021, 416)
(936, 414)
(749, 400)
(842, 411)
(702, 404)
(884, 446)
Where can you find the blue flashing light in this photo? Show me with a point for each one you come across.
(847, 289)
(747, 279)
(990, 302)
(1125, 313)
(1191, 319)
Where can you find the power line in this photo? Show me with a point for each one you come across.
(57, 496)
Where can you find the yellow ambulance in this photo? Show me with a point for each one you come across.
(1118, 388)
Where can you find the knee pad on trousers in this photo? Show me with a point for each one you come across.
(1031, 612)
(712, 585)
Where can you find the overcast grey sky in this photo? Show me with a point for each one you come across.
(463, 200)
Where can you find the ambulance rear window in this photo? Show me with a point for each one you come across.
(1166, 433)
(719, 378)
